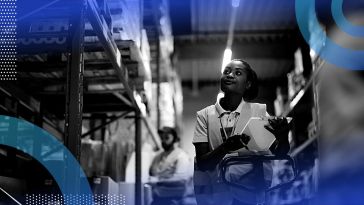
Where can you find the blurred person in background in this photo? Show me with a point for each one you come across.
(217, 135)
(341, 142)
(170, 170)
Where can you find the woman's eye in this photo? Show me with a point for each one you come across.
(226, 72)
(238, 73)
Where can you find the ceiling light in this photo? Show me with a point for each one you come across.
(227, 58)
(235, 3)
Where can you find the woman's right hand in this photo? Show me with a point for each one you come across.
(207, 159)
(236, 142)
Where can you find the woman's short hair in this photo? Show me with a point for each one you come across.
(252, 92)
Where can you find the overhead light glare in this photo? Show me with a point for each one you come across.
(226, 59)
(235, 3)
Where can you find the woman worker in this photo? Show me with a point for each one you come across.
(217, 133)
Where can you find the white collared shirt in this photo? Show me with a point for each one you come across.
(228, 119)
(208, 187)
(208, 130)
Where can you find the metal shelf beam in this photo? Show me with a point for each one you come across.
(74, 95)
(298, 96)
(100, 28)
(102, 31)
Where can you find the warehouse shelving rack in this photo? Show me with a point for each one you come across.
(309, 87)
(305, 150)
(57, 86)
(159, 33)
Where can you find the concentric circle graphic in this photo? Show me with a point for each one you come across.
(333, 53)
(342, 22)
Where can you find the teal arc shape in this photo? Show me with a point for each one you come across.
(70, 198)
(333, 53)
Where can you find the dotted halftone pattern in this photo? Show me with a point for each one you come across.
(82, 199)
(8, 40)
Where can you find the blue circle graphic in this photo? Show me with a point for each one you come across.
(333, 53)
(342, 22)
(18, 135)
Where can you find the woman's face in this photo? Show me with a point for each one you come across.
(234, 78)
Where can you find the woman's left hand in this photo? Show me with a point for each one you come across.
(279, 127)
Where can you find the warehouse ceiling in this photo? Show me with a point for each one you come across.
(213, 16)
(265, 34)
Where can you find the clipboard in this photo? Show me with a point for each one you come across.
(260, 138)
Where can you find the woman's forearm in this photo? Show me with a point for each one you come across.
(282, 148)
(209, 160)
